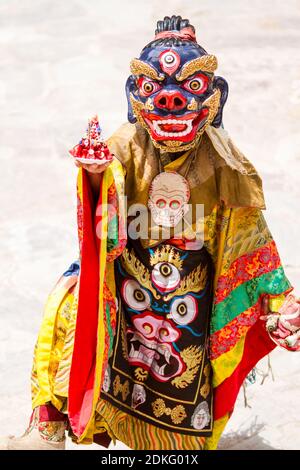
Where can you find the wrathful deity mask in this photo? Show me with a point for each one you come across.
(172, 90)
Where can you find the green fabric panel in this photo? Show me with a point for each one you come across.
(112, 233)
(109, 330)
(246, 295)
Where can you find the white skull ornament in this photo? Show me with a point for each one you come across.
(169, 195)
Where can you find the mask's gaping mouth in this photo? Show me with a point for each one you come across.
(171, 127)
(175, 128)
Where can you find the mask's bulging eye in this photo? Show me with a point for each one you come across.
(147, 86)
(184, 310)
(197, 85)
(169, 61)
(135, 296)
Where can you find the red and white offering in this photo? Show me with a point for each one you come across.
(91, 148)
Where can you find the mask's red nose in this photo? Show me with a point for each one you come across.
(170, 100)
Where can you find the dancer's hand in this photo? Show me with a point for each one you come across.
(284, 325)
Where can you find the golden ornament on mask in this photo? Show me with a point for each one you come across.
(206, 63)
(138, 67)
(172, 144)
(213, 104)
(149, 104)
(192, 106)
